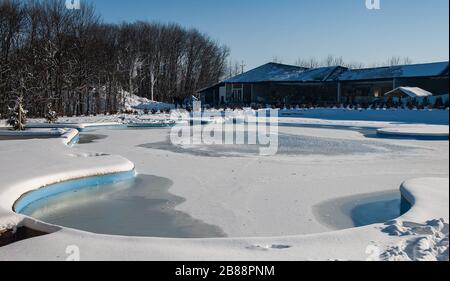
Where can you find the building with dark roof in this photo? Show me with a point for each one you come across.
(274, 83)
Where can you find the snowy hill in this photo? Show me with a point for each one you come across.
(133, 102)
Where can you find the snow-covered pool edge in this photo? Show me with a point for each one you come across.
(429, 198)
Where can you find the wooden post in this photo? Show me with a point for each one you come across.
(394, 84)
(339, 92)
(19, 107)
(242, 67)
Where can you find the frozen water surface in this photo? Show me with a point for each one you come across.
(288, 144)
(139, 207)
(144, 207)
(361, 210)
(90, 138)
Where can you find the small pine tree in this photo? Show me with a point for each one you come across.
(51, 116)
(17, 116)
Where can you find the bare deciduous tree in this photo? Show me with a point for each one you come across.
(331, 60)
(69, 58)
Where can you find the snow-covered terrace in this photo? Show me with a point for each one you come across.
(426, 222)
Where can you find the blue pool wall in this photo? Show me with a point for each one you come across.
(412, 137)
(74, 140)
(70, 185)
(405, 205)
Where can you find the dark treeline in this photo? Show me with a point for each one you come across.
(71, 59)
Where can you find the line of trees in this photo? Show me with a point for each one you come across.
(72, 60)
(331, 60)
(235, 67)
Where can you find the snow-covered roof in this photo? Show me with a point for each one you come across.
(275, 72)
(413, 92)
(401, 71)
(269, 72)
(282, 73)
(317, 74)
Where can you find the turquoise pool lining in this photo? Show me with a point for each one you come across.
(151, 125)
(74, 140)
(70, 185)
(126, 126)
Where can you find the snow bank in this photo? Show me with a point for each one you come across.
(133, 102)
(33, 133)
(416, 131)
(429, 196)
(426, 242)
(67, 136)
(38, 163)
(103, 121)
(440, 117)
(78, 126)
(72, 185)
(422, 238)
(70, 137)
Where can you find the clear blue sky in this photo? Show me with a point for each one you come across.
(258, 30)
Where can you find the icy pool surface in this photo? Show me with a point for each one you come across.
(288, 144)
(361, 210)
(90, 138)
(137, 207)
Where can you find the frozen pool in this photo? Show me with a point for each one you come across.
(139, 207)
(144, 207)
(288, 144)
(85, 138)
(361, 210)
(90, 138)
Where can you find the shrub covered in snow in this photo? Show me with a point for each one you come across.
(17, 116)
(51, 116)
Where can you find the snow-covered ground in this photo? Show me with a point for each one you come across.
(322, 116)
(270, 198)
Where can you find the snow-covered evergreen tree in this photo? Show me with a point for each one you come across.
(17, 116)
(51, 116)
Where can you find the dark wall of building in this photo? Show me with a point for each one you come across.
(210, 96)
(322, 94)
(437, 86)
(364, 92)
(295, 94)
